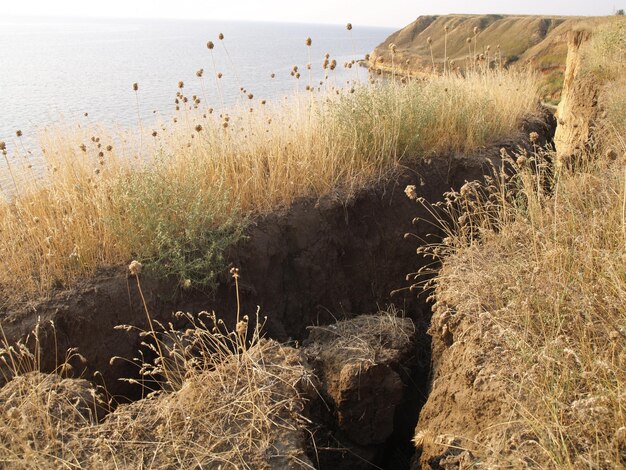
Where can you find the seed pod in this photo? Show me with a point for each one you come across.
(210, 45)
(135, 86)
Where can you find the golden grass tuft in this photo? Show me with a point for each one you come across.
(227, 399)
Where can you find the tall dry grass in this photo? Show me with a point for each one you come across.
(178, 196)
(541, 254)
(224, 399)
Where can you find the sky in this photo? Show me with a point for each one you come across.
(364, 12)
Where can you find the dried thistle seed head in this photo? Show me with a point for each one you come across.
(109, 148)
(225, 124)
(327, 56)
(476, 30)
(181, 84)
(308, 41)
(411, 192)
(219, 75)
(135, 86)
(273, 75)
(521, 161)
(392, 48)
(86, 114)
(154, 133)
(446, 28)
(221, 36)
(101, 154)
(210, 45)
(429, 40)
(349, 26)
(298, 75)
(198, 128)
(199, 73)
(367, 57)
(333, 64)
(533, 136)
(18, 133)
(468, 40)
(135, 267)
(263, 101)
(83, 147)
(250, 96)
(488, 48)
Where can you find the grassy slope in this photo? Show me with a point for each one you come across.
(540, 40)
(529, 327)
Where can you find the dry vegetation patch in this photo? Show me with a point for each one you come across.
(177, 198)
(222, 399)
(530, 322)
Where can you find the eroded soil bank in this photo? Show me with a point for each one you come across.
(312, 263)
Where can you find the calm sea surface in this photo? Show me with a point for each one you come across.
(56, 70)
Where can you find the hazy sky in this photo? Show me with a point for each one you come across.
(364, 12)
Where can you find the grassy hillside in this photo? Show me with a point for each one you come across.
(529, 324)
(501, 39)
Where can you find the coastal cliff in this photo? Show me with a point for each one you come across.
(505, 40)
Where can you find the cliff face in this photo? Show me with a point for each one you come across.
(501, 39)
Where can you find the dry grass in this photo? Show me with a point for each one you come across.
(176, 200)
(227, 399)
(543, 258)
(366, 338)
(536, 261)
